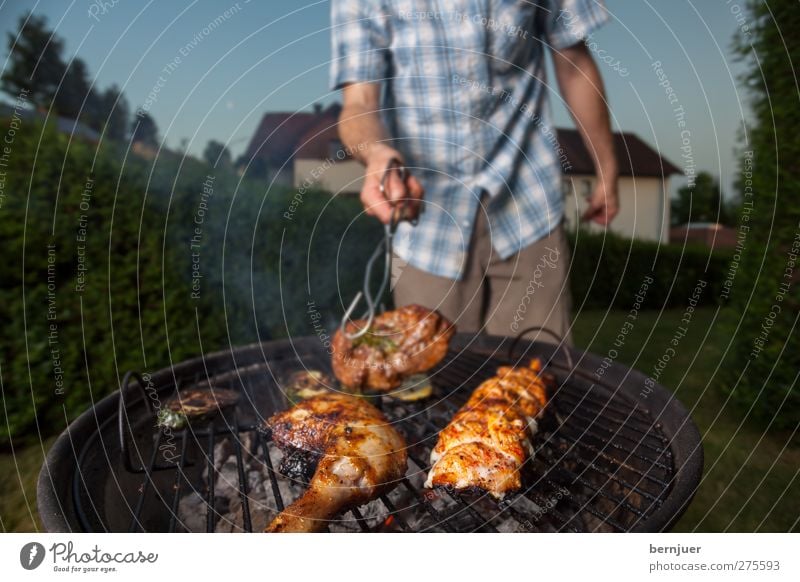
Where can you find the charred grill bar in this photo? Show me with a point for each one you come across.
(606, 459)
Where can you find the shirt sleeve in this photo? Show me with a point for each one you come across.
(572, 21)
(359, 42)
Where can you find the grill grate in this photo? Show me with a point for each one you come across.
(601, 462)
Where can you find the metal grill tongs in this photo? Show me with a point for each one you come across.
(384, 247)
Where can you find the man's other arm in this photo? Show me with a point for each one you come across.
(582, 88)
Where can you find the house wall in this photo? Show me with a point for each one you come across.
(644, 209)
(342, 177)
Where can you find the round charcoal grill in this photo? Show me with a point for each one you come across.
(613, 452)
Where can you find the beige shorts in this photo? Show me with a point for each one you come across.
(498, 297)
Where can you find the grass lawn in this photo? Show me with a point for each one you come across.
(750, 481)
(18, 475)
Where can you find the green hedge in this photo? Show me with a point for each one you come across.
(135, 307)
(65, 339)
(762, 374)
(609, 271)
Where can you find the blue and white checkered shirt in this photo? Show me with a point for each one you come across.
(466, 102)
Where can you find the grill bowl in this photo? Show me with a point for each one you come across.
(614, 453)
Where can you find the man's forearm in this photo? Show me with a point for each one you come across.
(363, 134)
(361, 131)
(582, 88)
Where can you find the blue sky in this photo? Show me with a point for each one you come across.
(272, 55)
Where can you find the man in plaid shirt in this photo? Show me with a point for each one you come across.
(457, 92)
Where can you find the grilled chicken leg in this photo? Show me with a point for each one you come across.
(360, 457)
(488, 440)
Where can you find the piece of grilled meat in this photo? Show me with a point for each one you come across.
(358, 456)
(400, 343)
(194, 405)
(488, 440)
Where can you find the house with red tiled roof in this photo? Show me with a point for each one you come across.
(303, 150)
(272, 151)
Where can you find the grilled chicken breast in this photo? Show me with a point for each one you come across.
(488, 440)
(400, 343)
(358, 456)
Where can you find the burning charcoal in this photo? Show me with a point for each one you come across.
(192, 512)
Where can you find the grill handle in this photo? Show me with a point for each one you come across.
(124, 392)
(122, 415)
(546, 330)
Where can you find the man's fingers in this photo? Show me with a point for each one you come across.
(601, 219)
(415, 189)
(594, 214)
(381, 209)
(375, 203)
(394, 186)
(397, 193)
(591, 212)
(602, 208)
(609, 215)
(415, 192)
(414, 200)
(405, 194)
(603, 215)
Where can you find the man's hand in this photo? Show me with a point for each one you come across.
(407, 194)
(603, 203)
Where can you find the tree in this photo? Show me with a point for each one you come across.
(35, 62)
(37, 66)
(144, 129)
(114, 113)
(700, 202)
(75, 97)
(216, 154)
(765, 298)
